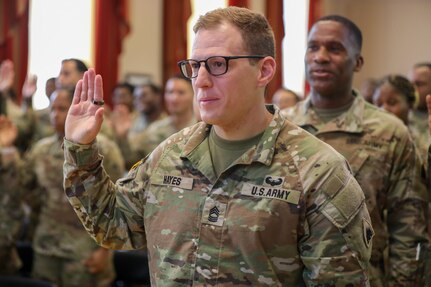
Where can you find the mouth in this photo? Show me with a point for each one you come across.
(321, 73)
(207, 100)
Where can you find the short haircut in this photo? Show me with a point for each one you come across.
(353, 31)
(80, 65)
(297, 97)
(423, 64)
(180, 76)
(70, 92)
(156, 89)
(126, 85)
(403, 86)
(255, 30)
(53, 79)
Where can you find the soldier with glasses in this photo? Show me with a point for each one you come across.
(243, 197)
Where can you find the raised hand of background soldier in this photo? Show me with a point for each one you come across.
(8, 132)
(121, 120)
(7, 75)
(29, 87)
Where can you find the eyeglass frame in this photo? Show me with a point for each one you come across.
(226, 58)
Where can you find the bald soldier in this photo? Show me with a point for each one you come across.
(377, 145)
(243, 198)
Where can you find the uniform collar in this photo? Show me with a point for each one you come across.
(263, 152)
(350, 121)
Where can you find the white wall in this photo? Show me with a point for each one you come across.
(142, 48)
(396, 33)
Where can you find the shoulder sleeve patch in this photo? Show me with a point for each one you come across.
(345, 198)
(367, 231)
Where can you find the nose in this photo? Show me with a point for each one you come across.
(203, 79)
(321, 55)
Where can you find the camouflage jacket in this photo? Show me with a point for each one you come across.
(286, 213)
(11, 212)
(59, 232)
(418, 125)
(128, 144)
(153, 135)
(24, 121)
(382, 156)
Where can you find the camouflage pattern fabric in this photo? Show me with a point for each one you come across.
(11, 213)
(59, 234)
(146, 141)
(51, 269)
(128, 145)
(23, 121)
(286, 213)
(418, 126)
(381, 153)
(140, 123)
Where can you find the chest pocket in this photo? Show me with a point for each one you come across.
(357, 161)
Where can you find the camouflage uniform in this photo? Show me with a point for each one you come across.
(152, 136)
(60, 243)
(418, 125)
(381, 153)
(286, 213)
(128, 145)
(43, 127)
(24, 123)
(11, 213)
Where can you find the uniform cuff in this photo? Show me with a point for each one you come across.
(80, 155)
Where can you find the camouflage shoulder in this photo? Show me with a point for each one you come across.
(182, 136)
(154, 126)
(339, 196)
(41, 145)
(391, 121)
(105, 143)
(177, 140)
(291, 112)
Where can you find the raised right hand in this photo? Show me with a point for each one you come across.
(85, 118)
(7, 75)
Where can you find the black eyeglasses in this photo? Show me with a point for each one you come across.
(215, 65)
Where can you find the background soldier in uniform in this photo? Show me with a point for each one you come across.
(376, 144)
(11, 212)
(242, 198)
(64, 254)
(179, 105)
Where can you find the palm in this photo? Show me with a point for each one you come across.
(7, 75)
(8, 132)
(84, 118)
(29, 87)
(121, 120)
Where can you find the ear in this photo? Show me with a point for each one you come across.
(267, 71)
(359, 63)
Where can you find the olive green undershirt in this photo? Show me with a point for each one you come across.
(224, 152)
(326, 115)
